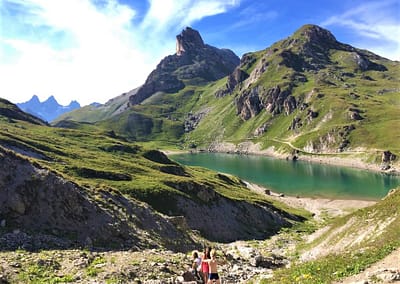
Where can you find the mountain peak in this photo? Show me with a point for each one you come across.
(189, 39)
(314, 33)
(35, 98)
(51, 100)
(192, 63)
(47, 110)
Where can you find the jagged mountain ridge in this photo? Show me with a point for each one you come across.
(193, 60)
(48, 110)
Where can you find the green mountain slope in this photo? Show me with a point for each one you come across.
(349, 245)
(110, 182)
(311, 91)
(93, 113)
(308, 93)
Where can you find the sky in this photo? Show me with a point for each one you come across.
(94, 50)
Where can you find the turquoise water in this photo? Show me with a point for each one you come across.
(297, 178)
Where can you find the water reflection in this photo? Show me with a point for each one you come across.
(297, 178)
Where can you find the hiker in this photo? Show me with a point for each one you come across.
(196, 264)
(204, 264)
(213, 268)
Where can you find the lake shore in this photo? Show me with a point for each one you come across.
(320, 207)
(249, 148)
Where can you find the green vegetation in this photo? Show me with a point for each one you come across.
(323, 76)
(100, 160)
(381, 221)
(43, 270)
(94, 267)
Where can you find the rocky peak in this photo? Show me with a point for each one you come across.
(316, 34)
(188, 40)
(193, 60)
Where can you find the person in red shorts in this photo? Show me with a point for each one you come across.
(204, 264)
(213, 276)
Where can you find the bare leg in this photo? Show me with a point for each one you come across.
(206, 277)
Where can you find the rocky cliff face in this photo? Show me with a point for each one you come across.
(193, 60)
(221, 219)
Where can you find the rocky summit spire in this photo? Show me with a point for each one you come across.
(188, 40)
(193, 60)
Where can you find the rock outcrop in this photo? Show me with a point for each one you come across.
(37, 201)
(221, 219)
(248, 104)
(193, 119)
(274, 100)
(193, 60)
(237, 77)
(336, 140)
(388, 157)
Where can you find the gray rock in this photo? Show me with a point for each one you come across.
(248, 104)
(16, 204)
(388, 156)
(57, 205)
(193, 59)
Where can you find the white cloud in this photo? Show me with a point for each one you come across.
(74, 49)
(376, 23)
(167, 14)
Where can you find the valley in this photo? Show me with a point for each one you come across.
(93, 198)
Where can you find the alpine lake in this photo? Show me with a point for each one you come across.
(297, 178)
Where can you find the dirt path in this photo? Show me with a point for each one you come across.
(385, 271)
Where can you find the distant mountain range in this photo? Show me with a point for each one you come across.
(47, 110)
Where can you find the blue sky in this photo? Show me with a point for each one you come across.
(94, 50)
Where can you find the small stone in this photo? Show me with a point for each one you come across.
(3, 223)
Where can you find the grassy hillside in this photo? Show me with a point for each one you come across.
(331, 91)
(307, 92)
(100, 161)
(93, 113)
(350, 245)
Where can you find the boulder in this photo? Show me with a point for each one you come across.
(355, 115)
(388, 157)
